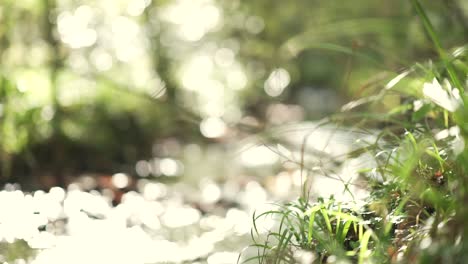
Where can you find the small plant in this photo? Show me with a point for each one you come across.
(327, 229)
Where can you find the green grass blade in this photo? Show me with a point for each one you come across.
(313, 211)
(311, 227)
(345, 231)
(327, 219)
(254, 221)
(436, 40)
(436, 154)
(364, 246)
(361, 230)
(412, 140)
(338, 219)
(283, 243)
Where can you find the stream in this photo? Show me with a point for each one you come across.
(203, 216)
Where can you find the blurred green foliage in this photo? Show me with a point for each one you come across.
(19, 249)
(92, 85)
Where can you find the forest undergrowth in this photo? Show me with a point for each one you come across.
(416, 210)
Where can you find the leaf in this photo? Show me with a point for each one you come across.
(364, 244)
(327, 219)
(313, 211)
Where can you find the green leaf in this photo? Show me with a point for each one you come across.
(364, 246)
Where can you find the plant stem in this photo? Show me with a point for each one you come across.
(436, 41)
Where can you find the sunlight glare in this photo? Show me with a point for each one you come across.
(194, 18)
(255, 156)
(277, 81)
(196, 72)
(136, 7)
(120, 180)
(170, 167)
(176, 217)
(101, 59)
(236, 79)
(223, 258)
(213, 127)
(210, 192)
(74, 27)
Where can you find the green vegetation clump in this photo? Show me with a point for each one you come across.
(416, 211)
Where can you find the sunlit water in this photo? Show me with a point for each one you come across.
(204, 218)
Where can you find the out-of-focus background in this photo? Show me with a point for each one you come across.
(195, 109)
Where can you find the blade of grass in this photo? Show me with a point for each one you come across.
(345, 231)
(338, 219)
(435, 154)
(436, 40)
(283, 243)
(361, 230)
(326, 218)
(364, 246)
(313, 211)
(259, 256)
